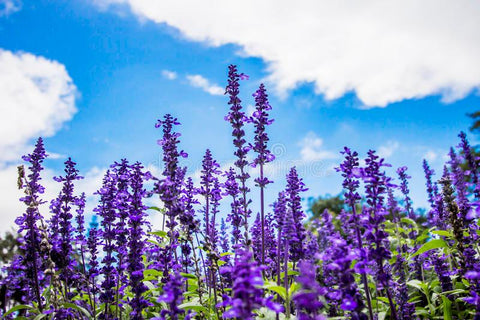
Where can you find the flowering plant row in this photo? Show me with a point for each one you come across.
(374, 260)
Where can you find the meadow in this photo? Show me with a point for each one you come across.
(376, 259)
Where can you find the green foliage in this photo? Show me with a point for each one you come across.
(334, 204)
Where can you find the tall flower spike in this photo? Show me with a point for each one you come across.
(80, 220)
(256, 231)
(472, 161)
(237, 118)
(121, 170)
(295, 186)
(432, 188)
(402, 175)
(28, 221)
(188, 222)
(62, 251)
(351, 172)
(136, 241)
(106, 210)
(432, 192)
(210, 168)
(283, 232)
(458, 179)
(234, 216)
(260, 121)
(170, 187)
(376, 184)
(406, 309)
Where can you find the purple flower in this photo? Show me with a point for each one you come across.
(308, 299)
(402, 175)
(295, 186)
(209, 172)
(472, 161)
(340, 274)
(458, 179)
(62, 250)
(170, 187)
(172, 296)
(106, 210)
(136, 240)
(28, 266)
(406, 310)
(260, 120)
(237, 118)
(235, 216)
(376, 184)
(188, 222)
(246, 292)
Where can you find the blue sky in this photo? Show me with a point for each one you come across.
(120, 65)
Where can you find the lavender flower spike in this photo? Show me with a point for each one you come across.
(260, 120)
(237, 118)
(136, 241)
(28, 221)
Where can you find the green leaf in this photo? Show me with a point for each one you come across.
(40, 316)
(226, 254)
(159, 233)
(151, 272)
(155, 208)
(188, 275)
(17, 308)
(294, 288)
(193, 305)
(430, 245)
(409, 221)
(76, 307)
(422, 238)
(293, 273)
(149, 285)
(416, 284)
(444, 233)
(277, 289)
(383, 299)
(447, 308)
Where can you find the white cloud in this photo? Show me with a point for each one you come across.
(7, 7)
(170, 75)
(199, 81)
(312, 149)
(387, 150)
(37, 97)
(383, 51)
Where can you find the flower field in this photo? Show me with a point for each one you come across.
(376, 259)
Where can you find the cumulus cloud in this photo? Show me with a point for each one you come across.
(7, 7)
(201, 82)
(383, 51)
(312, 149)
(170, 75)
(37, 97)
